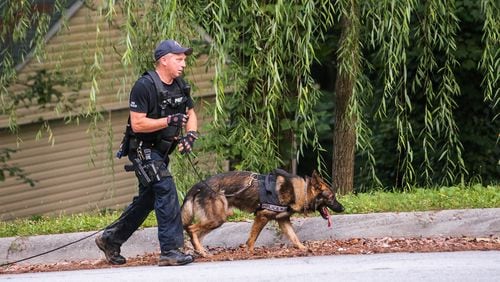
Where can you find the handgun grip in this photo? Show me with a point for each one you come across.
(129, 167)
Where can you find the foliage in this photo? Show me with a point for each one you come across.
(442, 69)
(11, 170)
(42, 91)
(414, 91)
(262, 54)
(490, 59)
(408, 62)
(419, 199)
(22, 37)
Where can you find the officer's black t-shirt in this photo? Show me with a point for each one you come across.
(144, 99)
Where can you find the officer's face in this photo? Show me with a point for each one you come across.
(174, 64)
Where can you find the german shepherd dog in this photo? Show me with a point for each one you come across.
(208, 203)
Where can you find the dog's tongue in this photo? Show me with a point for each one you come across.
(325, 212)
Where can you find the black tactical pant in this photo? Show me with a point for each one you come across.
(160, 196)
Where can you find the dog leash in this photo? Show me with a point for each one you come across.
(198, 174)
(50, 251)
(253, 176)
(60, 247)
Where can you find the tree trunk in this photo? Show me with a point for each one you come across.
(344, 134)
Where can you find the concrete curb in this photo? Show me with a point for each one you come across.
(448, 223)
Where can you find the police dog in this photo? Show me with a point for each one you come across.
(208, 203)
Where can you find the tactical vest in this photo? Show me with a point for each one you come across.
(168, 103)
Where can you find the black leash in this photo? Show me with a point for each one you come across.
(63, 246)
(194, 168)
(198, 174)
(50, 251)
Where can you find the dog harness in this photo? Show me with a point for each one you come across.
(268, 196)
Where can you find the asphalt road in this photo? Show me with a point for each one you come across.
(408, 267)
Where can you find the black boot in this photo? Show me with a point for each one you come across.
(174, 257)
(112, 253)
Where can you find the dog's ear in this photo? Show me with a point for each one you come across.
(316, 177)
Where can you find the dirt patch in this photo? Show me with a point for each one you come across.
(315, 248)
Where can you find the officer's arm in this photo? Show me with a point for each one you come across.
(186, 143)
(192, 123)
(142, 124)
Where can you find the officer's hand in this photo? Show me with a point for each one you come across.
(178, 120)
(186, 142)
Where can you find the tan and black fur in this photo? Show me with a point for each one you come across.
(208, 203)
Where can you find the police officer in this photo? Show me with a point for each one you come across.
(156, 120)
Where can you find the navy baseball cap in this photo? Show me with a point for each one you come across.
(170, 46)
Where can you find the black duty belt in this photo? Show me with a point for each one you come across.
(163, 146)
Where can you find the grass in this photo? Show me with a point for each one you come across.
(424, 200)
(417, 200)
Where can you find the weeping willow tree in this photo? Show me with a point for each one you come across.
(17, 20)
(266, 96)
(263, 53)
(435, 37)
(402, 35)
(346, 91)
(20, 22)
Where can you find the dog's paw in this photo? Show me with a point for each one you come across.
(301, 247)
(207, 255)
(203, 253)
(248, 249)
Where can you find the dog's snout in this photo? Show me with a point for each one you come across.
(337, 206)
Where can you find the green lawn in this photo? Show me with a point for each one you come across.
(416, 200)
